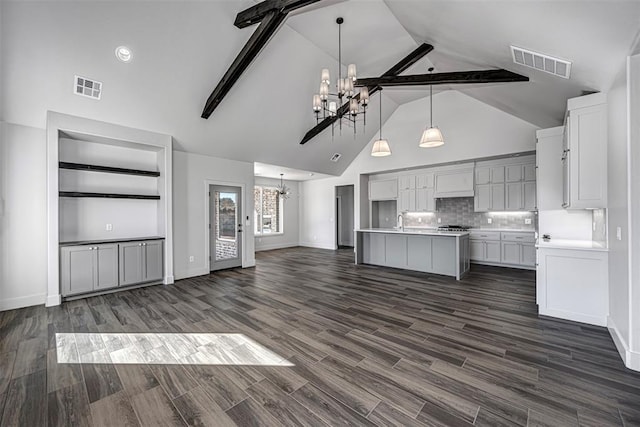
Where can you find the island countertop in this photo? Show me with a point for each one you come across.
(422, 232)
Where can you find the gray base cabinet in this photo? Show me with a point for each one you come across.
(92, 268)
(429, 254)
(140, 262)
(512, 249)
(88, 268)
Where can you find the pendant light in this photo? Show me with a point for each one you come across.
(431, 137)
(381, 146)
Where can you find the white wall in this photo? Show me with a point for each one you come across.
(190, 173)
(634, 211)
(471, 130)
(290, 221)
(23, 216)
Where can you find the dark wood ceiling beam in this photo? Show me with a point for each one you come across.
(270, 14)
(256, 13)
(456, 77)
(401, 66)
(268, 26)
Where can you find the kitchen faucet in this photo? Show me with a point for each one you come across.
(400, 223)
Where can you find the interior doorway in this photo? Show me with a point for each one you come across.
(225, 227)
(345, 198)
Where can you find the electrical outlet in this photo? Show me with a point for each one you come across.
(315, 238)
(619, 233)
(439, 220)
(489, 220)
(192, 258)
(108, 227)
(527, 221)
(419, 219)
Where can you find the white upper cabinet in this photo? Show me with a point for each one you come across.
(384, 189)
(505, 185)
(584, 157)
(455, 181)
(415, 192)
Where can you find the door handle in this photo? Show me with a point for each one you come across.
(239, 228)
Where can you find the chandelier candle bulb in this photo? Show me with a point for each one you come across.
(324, 91)
(333, 108)
(317, 103)
(364, 96)
(353, 107)
(325, 76)
(348, 87)
(351, 72)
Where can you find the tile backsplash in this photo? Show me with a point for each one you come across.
(459, 211)
(599, 226)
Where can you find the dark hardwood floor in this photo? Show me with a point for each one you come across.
(370, 346)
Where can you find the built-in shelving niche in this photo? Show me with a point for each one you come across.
(109, 189)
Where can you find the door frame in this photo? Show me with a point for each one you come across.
(242, 214)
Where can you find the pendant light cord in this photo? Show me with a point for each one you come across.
(431, 101)
(339, 54)
(380, 113)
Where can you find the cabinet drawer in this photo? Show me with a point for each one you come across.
(518, 237)
(484, 235)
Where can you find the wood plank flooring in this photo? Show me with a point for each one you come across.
(369, 346)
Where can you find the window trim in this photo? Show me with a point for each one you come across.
(258, 220)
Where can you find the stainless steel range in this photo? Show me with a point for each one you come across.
(453, 227)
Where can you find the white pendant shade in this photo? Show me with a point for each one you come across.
(381, 148)
(431, 137)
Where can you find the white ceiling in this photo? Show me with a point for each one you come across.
(289, 174)
(182, 49)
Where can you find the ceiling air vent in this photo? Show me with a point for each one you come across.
(87, 87)
(542, 62)
(336, 157)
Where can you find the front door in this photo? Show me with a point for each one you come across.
(225, 234)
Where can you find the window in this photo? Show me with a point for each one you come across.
(268, 211)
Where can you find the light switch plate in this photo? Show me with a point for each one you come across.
(489, 220)
(439, 220)
(619, 233)
(108, 227)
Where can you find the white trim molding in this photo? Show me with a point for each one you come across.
(630, 358)
(21, 302)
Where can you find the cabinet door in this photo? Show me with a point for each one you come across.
(497, 174)
(376, 253)
(383, 189)
(77, 269)
(482, 198)
(528, 255)
(529, 172)
(153, 256)
(130, 263)
(483, 176)
(403, 182)
(477, 250)
(529, 196)
(424, 200)
(405, 200)
(513, 192)
(107, 266)
(396, 250)
(510, 253)
(424, 180)
(492, 252)
(497, 197)
(565, 164)
(513, 173)
(419, 253)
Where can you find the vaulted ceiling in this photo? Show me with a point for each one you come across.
(182, 49)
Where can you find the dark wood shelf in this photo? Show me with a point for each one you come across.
(108, 195)
(107, 169)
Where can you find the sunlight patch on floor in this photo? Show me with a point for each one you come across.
(164, 349)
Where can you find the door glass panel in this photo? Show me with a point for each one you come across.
(226, 211)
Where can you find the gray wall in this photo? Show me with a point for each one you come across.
(346, 195)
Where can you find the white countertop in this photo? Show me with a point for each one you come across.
(584, 245)
(515, 230)
(423, 232)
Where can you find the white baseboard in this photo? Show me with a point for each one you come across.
(21, 302)
(276, 246)
(576, 317)
(249, 263)
(630, 358)
(318, 245)
(168, 280)
(53, 300)
(193, 272)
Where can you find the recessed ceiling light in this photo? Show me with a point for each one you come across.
(124, 54)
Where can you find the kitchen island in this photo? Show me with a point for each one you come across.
(428, 251)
